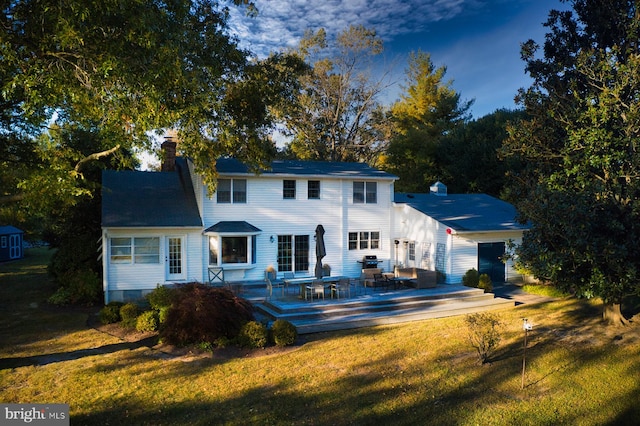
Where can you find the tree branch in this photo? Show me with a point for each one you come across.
(6, 199)
(95, 156)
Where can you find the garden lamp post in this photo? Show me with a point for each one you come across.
(526, 326)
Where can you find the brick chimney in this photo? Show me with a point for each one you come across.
(168, 155)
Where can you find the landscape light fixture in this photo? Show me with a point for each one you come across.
(527, 327)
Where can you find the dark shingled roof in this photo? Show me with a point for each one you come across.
(149, 199)
(465, 212)
(231, 166)
(232, 227)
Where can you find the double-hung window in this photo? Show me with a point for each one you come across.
(289, 189)
(232, 191)
(412, 250)
(365, 192)
(313, 190)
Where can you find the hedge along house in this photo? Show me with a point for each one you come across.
(11, 241)
(162, 227)
(452, 233)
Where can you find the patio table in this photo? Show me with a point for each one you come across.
(303, 282)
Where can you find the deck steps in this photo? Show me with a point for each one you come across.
(377, 308)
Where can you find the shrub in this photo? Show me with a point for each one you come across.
(147, 321)
(129, 315)
(484, 282)
(82, 287)
(162, 315)
(110, 313)
(222, 342)
(205, 346)
(61, 297)
(202, 313)
(483, 329)
(471, 278)
(253, 335)
(283, 333)
(161, 297)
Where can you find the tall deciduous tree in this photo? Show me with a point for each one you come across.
(428, 110)
(469, 155)
(132, 67)
(581, 189)
(336, 115)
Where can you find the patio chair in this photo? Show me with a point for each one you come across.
(341, 286)
(380, 281)
(353, 286)
(315, 288)
(271, 285)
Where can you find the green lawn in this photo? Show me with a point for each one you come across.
(419, 373)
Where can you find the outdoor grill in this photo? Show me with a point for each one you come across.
(370, 261)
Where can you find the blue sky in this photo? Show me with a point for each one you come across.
(477, 40)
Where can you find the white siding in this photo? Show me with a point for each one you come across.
(267, 210)
(413, 226)
(144, 277)
(198, 188)
(461, 252)
(472, 240)
(463, 256)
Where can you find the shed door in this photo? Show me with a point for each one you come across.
(490, 261)
(15, 247)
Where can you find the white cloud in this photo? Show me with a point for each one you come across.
(281, 24)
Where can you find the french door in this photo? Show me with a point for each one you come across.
(175, 268)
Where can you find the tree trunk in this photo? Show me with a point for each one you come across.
(612, 315)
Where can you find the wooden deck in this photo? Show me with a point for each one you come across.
(369, 307)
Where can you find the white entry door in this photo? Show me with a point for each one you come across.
(175, 259)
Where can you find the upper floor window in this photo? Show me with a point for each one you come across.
(365, 192)
(313, 189)
(289, 189)
(232, 190)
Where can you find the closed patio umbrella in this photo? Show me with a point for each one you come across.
(320, 250)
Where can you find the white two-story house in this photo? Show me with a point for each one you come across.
(162, 227)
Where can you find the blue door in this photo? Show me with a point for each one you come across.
(490, 261)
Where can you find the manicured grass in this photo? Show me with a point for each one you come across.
(419, 373)
(544, 290)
